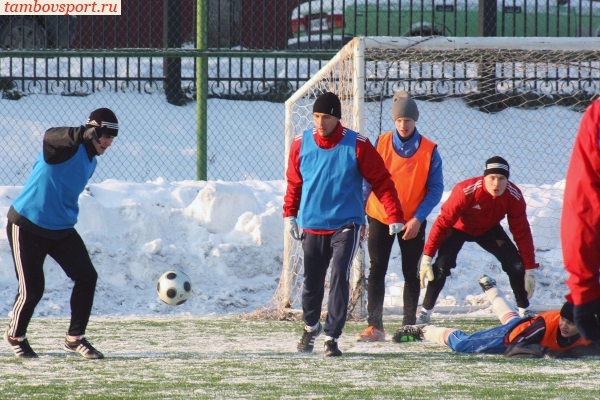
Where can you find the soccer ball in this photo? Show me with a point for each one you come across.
(174, 288)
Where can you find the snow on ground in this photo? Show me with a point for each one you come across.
(227, 236)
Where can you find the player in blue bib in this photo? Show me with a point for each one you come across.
(41, 222)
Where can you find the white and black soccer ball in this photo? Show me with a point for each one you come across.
(174, 287)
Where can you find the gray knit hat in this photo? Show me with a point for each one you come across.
(404, 107)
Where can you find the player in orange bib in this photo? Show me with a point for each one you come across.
(550, 334)
(416, 169)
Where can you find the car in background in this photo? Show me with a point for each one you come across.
(332, 23)
(37, 32)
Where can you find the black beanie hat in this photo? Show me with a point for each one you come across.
(328, 103)
(496, 165)
(105, 119)
(567, 311)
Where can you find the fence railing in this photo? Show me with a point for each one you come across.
(39, 100)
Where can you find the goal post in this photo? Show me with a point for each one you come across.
(521, 98)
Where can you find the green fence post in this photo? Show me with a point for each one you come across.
(202, 89)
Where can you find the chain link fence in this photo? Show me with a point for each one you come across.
(155, 90)
(245, 137)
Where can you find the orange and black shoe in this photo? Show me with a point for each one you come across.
(371, 334)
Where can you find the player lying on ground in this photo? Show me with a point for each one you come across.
(549, 334)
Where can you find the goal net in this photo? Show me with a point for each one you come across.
(520, 98)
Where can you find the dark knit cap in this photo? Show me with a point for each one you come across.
(328, 103)
(496, 165)
(104, 119)
(404, 107)
(567, 311)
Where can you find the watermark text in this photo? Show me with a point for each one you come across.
(67, 7)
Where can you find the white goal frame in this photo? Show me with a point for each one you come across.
(353, 112)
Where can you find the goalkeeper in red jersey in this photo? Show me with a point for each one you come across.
(473, 213)
(551, 334)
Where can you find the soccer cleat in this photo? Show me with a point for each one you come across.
(83, 347)
(307, 341)
(423, 318)
(371, 334)
(526, 313)
(409, 333)
(21, 348)
(487, 283)
(332, 349)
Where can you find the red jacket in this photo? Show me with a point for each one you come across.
(370, 165)
(580, 221)
(473, 210)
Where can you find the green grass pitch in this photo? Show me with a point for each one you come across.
(225, 357)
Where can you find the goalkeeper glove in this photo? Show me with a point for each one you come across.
(425, 270)
(91, 134)
(396, 228)
(291, 227)
(587, 320)
(530, 282)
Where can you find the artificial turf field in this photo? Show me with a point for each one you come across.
(226, 357)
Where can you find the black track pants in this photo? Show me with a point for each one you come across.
(495, 241)
(338, 248)
(29, 252)
(380, 244)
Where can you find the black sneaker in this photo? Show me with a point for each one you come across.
(409, 333)
(332, 349)
(487, 283)
(21, 348)
(83, 347)
(307, 341)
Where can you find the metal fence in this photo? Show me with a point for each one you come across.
(155, 90)
(245, 139)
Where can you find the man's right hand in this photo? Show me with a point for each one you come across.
(291, 227)
(425, 270)
(587, 319)
(91, 134)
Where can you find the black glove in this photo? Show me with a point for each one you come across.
(523, 350)
(91, 134)
(586, 318)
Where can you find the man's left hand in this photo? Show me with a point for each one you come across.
(530, 282)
